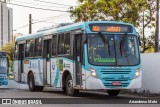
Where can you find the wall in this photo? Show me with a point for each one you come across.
(151, 73)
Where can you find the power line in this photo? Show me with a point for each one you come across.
(21, 27)
(53, 3)
(34, 23)
(49, 18)
(38, 4)
(36, 7)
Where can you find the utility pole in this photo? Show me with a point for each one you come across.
(144, 42)
(157, 28)
(30, 23)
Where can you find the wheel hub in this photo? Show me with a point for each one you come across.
(70, 85)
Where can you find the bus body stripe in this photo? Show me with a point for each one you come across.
(39, 71)
(57, 75)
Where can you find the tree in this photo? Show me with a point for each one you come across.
(131, 11)
(118, 10)
(148, 21)
(149, 41)
(9, 49)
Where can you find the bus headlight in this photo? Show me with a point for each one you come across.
(137, 73)
(6, 77)
(93, 72)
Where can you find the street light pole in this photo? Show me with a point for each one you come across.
(143, 34)
(157, 28)
(30, 23)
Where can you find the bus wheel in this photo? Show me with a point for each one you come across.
(64, 89)
(113, 92)
(69, 87)
(39, 88)
(31, 83)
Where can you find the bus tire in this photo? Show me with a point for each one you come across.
(31, 82)
(64, 89)
(70, 91)
(39, 88)
(113, 92)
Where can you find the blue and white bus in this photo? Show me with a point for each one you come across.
(4, 65)
(94, 55)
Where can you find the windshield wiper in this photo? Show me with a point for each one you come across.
(105, 41)
(122, 44)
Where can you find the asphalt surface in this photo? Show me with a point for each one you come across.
(17, 90)
(83, 99)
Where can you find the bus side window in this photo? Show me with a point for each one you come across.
(67, 44)
(29, 51)
(38, 47)
(61, 44)
(32, 43)
(54, 45)
(16, 51)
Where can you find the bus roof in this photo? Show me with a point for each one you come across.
(81, 25)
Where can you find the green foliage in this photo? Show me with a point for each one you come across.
(9, 49)
(135, 12)
(149, 44)
(118, 10)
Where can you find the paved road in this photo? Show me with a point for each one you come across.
(15, 90)
(21, 91)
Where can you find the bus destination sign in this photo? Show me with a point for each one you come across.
(110, 28)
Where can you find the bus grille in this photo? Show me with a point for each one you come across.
(1, 79)
(115, 72)
(109, 76)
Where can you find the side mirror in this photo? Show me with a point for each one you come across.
(84, 38)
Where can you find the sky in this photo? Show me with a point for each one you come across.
(40, 18)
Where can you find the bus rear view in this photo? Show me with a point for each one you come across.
(3, 69)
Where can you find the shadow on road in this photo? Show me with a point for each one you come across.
(90, 95)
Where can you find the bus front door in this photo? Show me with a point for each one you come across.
(20, 63)
(47, 62)
(78, 65)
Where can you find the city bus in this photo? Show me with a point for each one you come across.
(4, 68)
(93, 55)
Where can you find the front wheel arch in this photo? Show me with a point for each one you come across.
(64, 77)
(30, 72)
(70, 91)
(31, 82)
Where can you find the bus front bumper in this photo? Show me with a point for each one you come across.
(95, 84)
(4, 82)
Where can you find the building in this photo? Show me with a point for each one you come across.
(6, 24)
(16, 35)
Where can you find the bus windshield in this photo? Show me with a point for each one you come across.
(3, 65)
(122, 49)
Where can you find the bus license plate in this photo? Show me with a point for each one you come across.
(116, 83)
